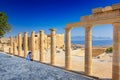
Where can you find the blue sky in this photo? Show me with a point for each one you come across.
(35, 15)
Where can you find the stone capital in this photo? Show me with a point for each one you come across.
(20, 33)
(25, 32)
(41, 30)
(33, 31)
(67, 29)
(52, 29)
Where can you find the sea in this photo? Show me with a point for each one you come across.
(102, 43)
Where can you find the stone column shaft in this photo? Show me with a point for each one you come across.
(10, 50)
(25, 44)
(33, 44)
(19, 44)
(88, 50)
(14, 48)
(36, 44)
(42, 46)
(16, 39)
(11, 41)
(68, 49)
(53, 46)
(116, 52)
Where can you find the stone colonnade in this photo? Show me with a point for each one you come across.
(88, 50)
(20, 45)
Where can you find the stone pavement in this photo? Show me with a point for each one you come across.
(15, 68)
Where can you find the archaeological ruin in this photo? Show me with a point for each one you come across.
(41, 41)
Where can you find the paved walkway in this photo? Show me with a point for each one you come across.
(15, 68)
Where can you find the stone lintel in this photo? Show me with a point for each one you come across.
(116, 6)
(107, 8)
(100, 10)
(101, 16)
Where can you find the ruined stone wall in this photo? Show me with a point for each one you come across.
(47, 41)
(60, 40)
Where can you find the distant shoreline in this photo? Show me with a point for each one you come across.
(95, 43)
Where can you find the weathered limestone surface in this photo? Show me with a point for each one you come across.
(68, 49)
(36, 41)
(47, 41)
(10, 50)
(42, 54)
(33, 44)
(11, 41)
(25, 44)
(116, 51)
(20, 45)
(60, 40)
(88, 50)
(53, 46)
(14, 48)
(107, 15)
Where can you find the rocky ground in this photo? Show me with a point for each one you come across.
(15, 68)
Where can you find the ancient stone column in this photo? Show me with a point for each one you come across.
(11, 41)
(37, 43)
(88, 50)
(19, 44)
(116, 52)
(14, 48)
(16, 39)
(3, 47)
(10, 50)
(33, 44)
(67, 48)
(25, 44)
(53, 46)
(42, 46)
